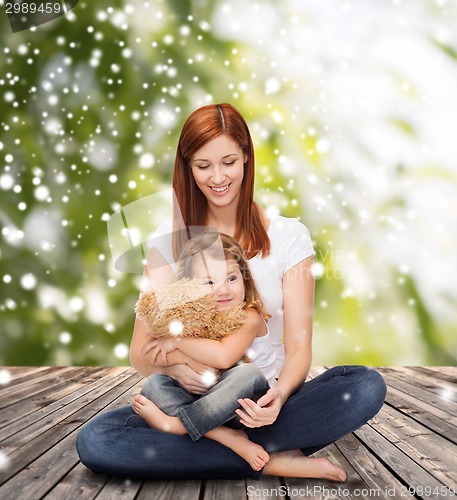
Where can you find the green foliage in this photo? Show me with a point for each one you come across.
(91, 106)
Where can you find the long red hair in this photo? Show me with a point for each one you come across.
(203, 125)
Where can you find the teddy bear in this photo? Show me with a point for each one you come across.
(184, 308)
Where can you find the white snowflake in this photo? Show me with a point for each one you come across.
(5, 378)
(4, 461)
(176, 327)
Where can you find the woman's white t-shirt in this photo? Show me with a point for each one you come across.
(290, 244)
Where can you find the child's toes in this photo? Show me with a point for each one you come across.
(258, 464)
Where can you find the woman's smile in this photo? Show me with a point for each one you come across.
(220, 190)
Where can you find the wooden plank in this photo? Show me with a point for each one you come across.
(410, 388)
(265, 488)
(120, 489)
(49, 415)
(428, 382)
(166, 490)
(19, 373)
(439, 421)
(31, 406)
(225, 489)
(80, 482)
(447, 374)
(431, 451)
(50, 466)
(27, 450)
(34, 387)
(24, 435)
(368, 467)
(45, 472)
(404, 467)
(444, 372)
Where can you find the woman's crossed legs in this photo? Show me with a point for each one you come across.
(323, 410)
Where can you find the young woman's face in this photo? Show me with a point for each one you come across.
(223, 279)
(218, 170)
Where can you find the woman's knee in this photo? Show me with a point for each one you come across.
(377, 388)
(86, 446)
(372, 388)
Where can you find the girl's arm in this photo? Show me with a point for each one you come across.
(219, 354)
(180, 367)
(298, 300)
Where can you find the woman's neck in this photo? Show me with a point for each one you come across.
(223, 219)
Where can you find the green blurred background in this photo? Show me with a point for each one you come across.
(353, 112)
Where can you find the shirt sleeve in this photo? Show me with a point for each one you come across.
(299, 244)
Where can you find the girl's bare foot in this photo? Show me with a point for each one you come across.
(239, 442)
(293, 463)
(236, 440)
(155, 417)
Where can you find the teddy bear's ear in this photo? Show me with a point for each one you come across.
(146, 307)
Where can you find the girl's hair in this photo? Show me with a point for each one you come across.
(207, 245)
(203, 125)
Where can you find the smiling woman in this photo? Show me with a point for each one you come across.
(213, 136)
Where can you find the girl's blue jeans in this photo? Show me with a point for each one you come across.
(321, 411)
(200, 414)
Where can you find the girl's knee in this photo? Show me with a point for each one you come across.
(153, 385)
(248, 371)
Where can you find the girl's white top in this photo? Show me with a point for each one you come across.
(290, 244)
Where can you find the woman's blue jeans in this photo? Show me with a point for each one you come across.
(320, 412)
(200, 414)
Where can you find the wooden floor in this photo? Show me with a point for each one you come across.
(408, 450)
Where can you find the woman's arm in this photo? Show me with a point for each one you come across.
(220, 354)
(298, 300)
(298, 306)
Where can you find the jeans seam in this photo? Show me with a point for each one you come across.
(189, 426)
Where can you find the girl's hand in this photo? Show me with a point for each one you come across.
(155, 346)
(200, 368)
(264, 412)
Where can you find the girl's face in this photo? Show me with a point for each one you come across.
(218, 170)
(223, 279)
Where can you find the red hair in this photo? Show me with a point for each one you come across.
(203, 125)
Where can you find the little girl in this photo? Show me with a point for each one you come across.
(165, 405)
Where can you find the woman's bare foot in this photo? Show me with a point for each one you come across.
(293, 463)
(155, 417)
(239, 442)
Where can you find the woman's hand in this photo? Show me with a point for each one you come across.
(264, 412)
(192, 381)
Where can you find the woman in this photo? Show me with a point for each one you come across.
(214, 183)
